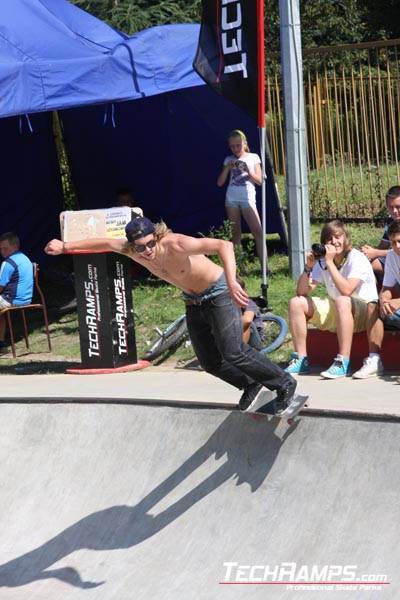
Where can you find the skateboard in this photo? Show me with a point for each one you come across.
(266, 405)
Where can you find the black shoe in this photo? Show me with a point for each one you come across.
(249, 396)
(285, 395)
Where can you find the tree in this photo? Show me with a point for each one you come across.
(323, 22)
(132, 17)
(381, 19)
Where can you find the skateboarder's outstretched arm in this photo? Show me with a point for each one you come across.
(55, 246)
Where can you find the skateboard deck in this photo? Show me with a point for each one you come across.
(266, 405)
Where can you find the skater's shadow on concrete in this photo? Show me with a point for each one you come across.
(251, 449)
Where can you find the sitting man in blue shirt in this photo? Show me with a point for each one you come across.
(16, 279)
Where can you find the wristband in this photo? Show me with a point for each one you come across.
(307, 270)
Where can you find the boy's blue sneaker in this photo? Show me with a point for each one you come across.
(339, 368)
(298, 364)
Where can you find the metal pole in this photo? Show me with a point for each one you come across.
(295, 136)
(263, 300)
(264, 284)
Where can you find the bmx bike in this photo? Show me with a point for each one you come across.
(275, 331)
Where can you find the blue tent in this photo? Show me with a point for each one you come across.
(54, 55)
(142, 118)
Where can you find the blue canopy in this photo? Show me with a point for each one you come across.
(54, 55)
(134, 113)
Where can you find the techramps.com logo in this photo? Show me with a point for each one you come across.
(296, 577)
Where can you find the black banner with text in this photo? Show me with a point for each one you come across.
(227, 53)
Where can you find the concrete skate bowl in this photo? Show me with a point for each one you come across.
(118, 502)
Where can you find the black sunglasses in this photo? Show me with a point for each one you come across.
(142, 247)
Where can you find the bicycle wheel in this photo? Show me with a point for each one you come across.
(275, 331)
(172, 336)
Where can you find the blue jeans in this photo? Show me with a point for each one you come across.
(215, 329)
(392, 323)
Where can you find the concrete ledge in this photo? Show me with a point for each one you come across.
(322, 347)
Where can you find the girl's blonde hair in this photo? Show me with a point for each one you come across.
(238, 133)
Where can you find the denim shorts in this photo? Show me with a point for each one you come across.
(392, 322)
(240, 197)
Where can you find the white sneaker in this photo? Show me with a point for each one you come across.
(371, 368)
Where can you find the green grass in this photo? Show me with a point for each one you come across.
(352, 193)
(156, 303)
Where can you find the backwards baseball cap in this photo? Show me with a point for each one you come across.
(138, 228)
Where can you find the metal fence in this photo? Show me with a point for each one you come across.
(352, 105)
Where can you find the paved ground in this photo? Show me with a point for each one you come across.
(151, 492)
(380, 396)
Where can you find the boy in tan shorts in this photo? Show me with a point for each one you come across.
(349, 280)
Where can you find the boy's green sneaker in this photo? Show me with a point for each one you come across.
(298, 364)
(339, 368)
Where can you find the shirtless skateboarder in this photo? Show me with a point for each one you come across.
(212, 296)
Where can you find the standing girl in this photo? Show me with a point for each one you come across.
(244, 169)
